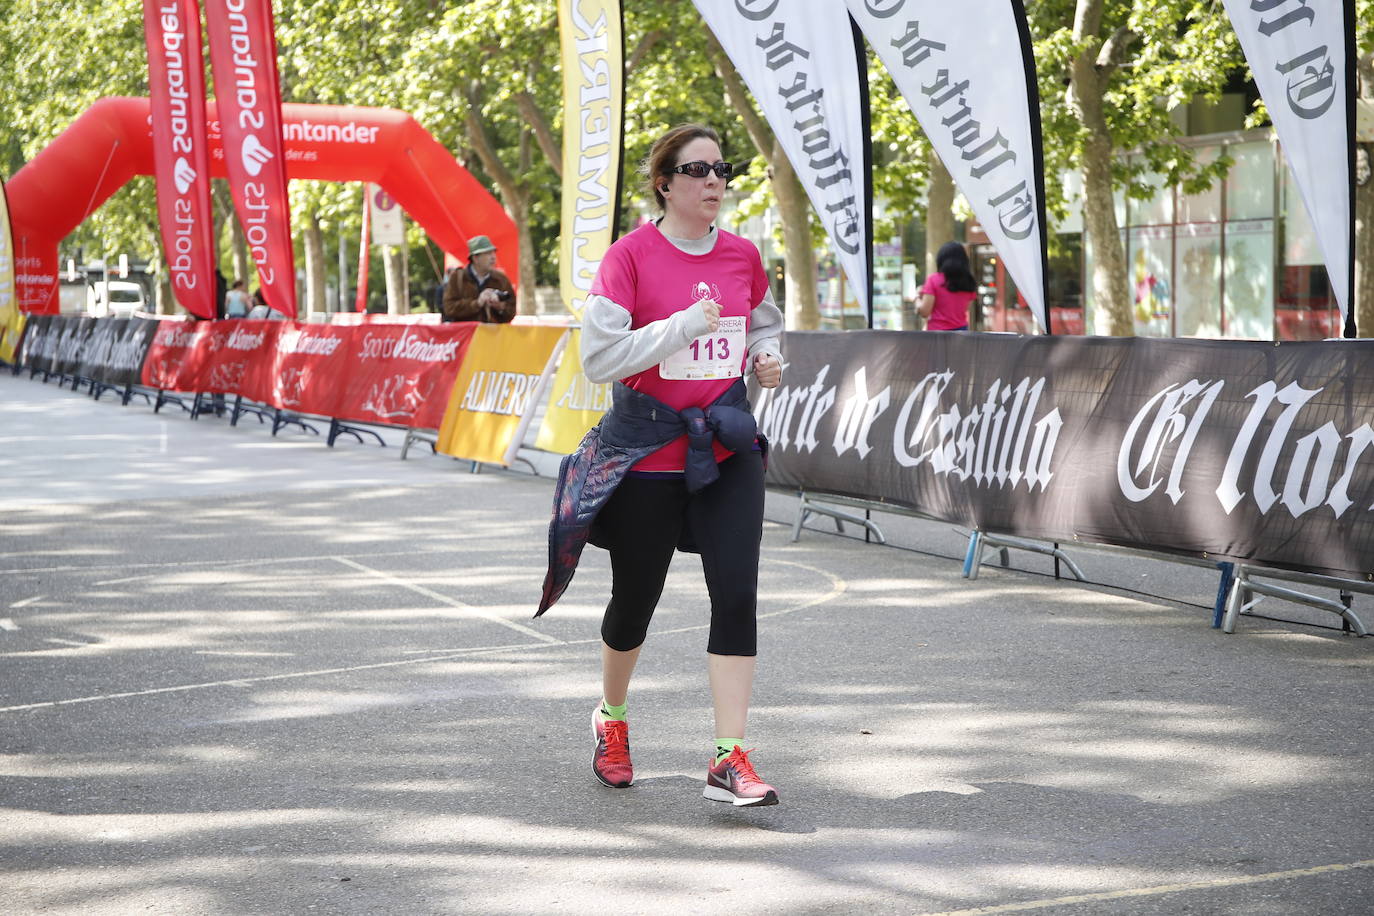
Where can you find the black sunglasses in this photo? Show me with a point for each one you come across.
(700, 169)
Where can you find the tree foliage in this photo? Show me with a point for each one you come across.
(484, 77)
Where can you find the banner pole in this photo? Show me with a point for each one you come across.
(364, 255)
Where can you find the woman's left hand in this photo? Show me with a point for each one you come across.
(767, 370)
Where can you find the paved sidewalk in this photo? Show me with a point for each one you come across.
(250, 675)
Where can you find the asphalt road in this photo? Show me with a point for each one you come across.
(250, 675)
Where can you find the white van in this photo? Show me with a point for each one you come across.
(116, 299)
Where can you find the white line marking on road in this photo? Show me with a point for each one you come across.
(246, 654)
(67, 642)
(126, 579)
(27, 601)
(244, 681)
(7, 624)
(194, 564)
(838, 587)
(451, 602)
(1157, 889)
(162, 439)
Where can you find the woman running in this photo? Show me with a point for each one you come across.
(680, 310)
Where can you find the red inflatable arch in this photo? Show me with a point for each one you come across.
(112, 142)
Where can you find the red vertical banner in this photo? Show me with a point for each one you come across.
(181, 150)
(243, 55)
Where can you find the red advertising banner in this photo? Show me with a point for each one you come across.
(402, 374)
(243, 54)
(178, 355)
(241, 358)
(181, 150)
(311, 361)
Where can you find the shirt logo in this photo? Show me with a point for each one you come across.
(702, 290)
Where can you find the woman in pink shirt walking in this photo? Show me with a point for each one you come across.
(679, 312)
(948, 292)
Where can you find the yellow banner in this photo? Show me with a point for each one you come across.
(575, 403)
(506, 369)
(11, 319)
(593, 44)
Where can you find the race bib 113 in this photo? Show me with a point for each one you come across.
(719, 354)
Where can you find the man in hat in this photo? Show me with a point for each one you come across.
(479, 292)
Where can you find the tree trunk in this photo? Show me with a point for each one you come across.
(801, 305)
(1111, 302)
(939, 210)
(525, 303)
(238, 252)
(1111, 292)
(314, 265)
(163, 303)
(238, 242)
(397, 298)
(513, 195)
(1363, 306)
(220, 213)
(344, 304)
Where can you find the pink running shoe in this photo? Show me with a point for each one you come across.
(734, 780)
(611, 759)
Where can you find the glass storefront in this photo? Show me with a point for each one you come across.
(1237, 260)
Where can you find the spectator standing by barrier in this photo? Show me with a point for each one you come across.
(236, 301)
(479, 292)
(949, 291)
(679, 311)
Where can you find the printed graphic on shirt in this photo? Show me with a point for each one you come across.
(714, 355)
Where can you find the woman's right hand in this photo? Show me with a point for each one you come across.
(711, 309)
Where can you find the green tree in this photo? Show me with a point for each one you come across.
(480, 80)
(58, 57)
(1110, 73)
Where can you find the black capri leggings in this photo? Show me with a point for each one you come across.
(641, 524)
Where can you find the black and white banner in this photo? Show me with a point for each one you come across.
(1228, 449)
(106, 350)
(72, 334)
(1303, 57)
(968, 73)
(39, 343)
(804, 64)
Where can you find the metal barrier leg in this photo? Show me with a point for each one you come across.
(1233, 600)
(802, 513)
(973, 557)
(1228, 573)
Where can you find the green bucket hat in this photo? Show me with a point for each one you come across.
(479, 244)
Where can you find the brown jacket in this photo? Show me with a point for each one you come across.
(460, 297)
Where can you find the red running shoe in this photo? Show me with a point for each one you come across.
(611, 760)
(733, 780)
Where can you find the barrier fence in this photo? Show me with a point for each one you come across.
(1229, 450)
(1251, 455)
(392, 374)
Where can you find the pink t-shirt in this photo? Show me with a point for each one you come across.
(951, 308)
(652, 279)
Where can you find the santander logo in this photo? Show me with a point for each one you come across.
(254, 155)
(183, 175)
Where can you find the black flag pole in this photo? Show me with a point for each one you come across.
(1038, 150)
(861, 57)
